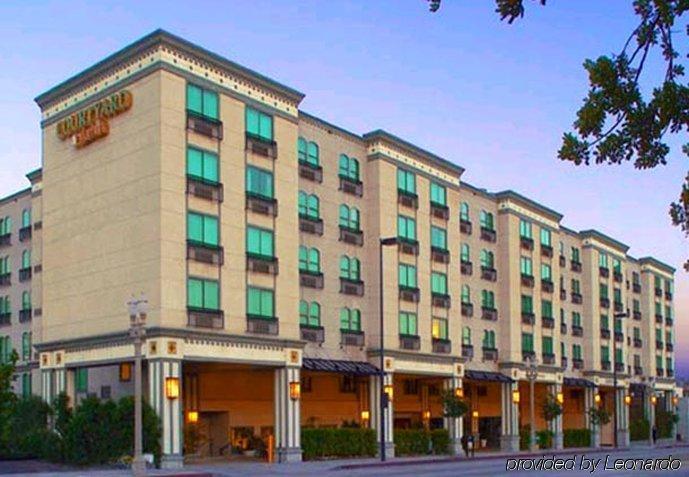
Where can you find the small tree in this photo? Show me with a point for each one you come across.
(453, 406)
(8, 399)
(599, 416)
(550, 408)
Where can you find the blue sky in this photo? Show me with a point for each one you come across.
(492, 97)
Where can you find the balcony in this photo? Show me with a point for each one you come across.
(619, 367)
(577, 363)
(25, 233)
(638, 343)
(309, 279)
(636, 287)
(489, 274)
(204, 189)
(547, 286)
(490, 314)
(575, 266)
(6, 279)
(407, 199)
(467, 310)
(262, 264)
(440, 211)
(352, 338)
(310, 225)
(310, 172)
(563, 328)
(636, 314)
(563, 261)
(604, 302)
(25, 315)
(659, 318)
(408, 246)
(351, 186)
(527, 280)
(205, 126)
(466, 268)
(617, 276)
(619, 336)
(489, 235)
(669, 347)
(604, 272)
(351, 287)
(25, 274)
(638, 370)
(442, 346)
(490, 354)
(618, 306)
(261, 146)
(440, 300)
(440, 255)
(205, 318)
(410, 294)
(261, 204)
(577, 299)
(605, 333)
(668, 321)
(200, 252)
(351, 236)
(465, 227)
(668, 295)
(605, 365)
(563, 294)
(670, 373)
(262, 325)
(563, 362)
(467, 351)
(548, 322)
(410, 342)
(548, 358)
(546, 251)
(528, 355)
(528, 318)
(659, 372)
(526, 243)
(313, 334)
(659, 344)
(5, 240)
(5, 319)
(659, 292)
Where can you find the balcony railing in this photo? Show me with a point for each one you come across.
(577, 363)
(408, 246)
(489, 274)
(261, 146)
(577, 299)
(440, 255)
(25, 274)
(351, 236)
(563, 362)
(467, 351)
(262, 325)
(546, 250)
(262, 264)
(466, 268)
(547, 286)
(659, 372)
(617, 276)
(605, 333)
(548, 322)
(669, 347)
(659, 292)
(490, 314)
(5, 240)
(467, 310)
(203, 189)
(659, 318)
(206, 126)
(440, 211)
(310, 225)
(638, 370)
(670, 373)
(488, 235)
(636, 314)
(605, 365)
(310, 279)
(407, 199)
(465, 227)
(409, 294)
(310, 172)
(261, 204)
(410, 342)
(528, 355)
(5, 319)
(619, 367)
(351, 287)
(668, 295)
(205, 318)
(638, 343)
(6, 279)
(528, 318)
(25, 315)
(25, 233)
(604, 302)
(668, 321)
(527, 280)
(659, 344)
(575, 266)
(563, 294)
(314, 334)
(490, 354)
(442, 346)
(619, 336)
(577, 330)
(441, 300)
(604, 272)
(352, 338)
(200, 252)
(548, 358)
(526, 243)
(618, 306)
(351, 186)
(636, 287)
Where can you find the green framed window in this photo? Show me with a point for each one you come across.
(527, 304)
(466, 294)
(406, 181)
(439, 328)
(466, 336)
(668, 312)
(602, 259)
(202, 102)
(4, 265)
(259, 124)
(26, 218)
(26, 259)
(603, 290)
(546, 272)
(576, 318)
(26, 346)
(658, 282)
(546, 308)
(438, 283)
(406, 228)
(6, 225)
(604, 322)
(636, 280)
(5, 349)
(547, 344)
(659, 363)
(26, 385)
(309, 313)
(636, 305)
(464, 253)
(203, 294)
(260, 302)
(616, 265)
(5, 308)
(309, 205)
(488, 339)
(668, 364)
(308, 152)
(576, 286)
(309, 259)
(350, 268)
(525, 229)
(637, 333)
(546, 237)
(487, 259)
(617, 295)
(488, 299)
(350, 319)
(668, 337)
(202, 165)
(348, 168)
(260, 242)
(81, 380)
(563, 349)
(438, 238)
(575, 255)
(259, 182)
(464, 212)
(350, 218)
(486, 220)
(408, 324)
(26, 300)
(669, 286)
(618, 325)
(659, 335)
(658, 309)
(438, 194)
(526, 266)
(527, 343)
(576, 351)
(202, 229)
(605, 353)
(407, 275)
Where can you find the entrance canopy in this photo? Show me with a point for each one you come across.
(358, 368)
(487, 376)
(579, 382)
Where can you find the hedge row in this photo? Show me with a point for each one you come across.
(344, 442)
(421, 441)
(639, 429)
(577, 437)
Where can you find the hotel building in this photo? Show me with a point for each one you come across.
(254, 230)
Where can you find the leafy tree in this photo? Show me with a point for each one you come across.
(453, 406)
(617, 122)
(8, 399)
(550, 408)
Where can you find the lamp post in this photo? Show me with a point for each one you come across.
(616, 316)
(137, 330)
(532, 375)
(384, 242)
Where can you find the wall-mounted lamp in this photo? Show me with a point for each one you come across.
(365, 415)
(675, 400)
(516, 397)
(596, 398)
(654, 399)
(172, 388)
(388, 389)
(426, 415)
(560, 397)
(193, 417)
(628, 399)
(294, 390)
(459, 393)
(474, 414)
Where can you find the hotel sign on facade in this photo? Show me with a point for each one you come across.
(92, 123)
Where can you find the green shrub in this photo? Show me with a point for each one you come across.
(150, 426)
(664, 422)
(440, 441)
(524, 437)
(344, 442)
(412, 442)
(577, 437)
(544, 439)
(90, 435)
(639, 430)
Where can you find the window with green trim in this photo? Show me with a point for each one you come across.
(259, 182)
(486, 220)
(563, 349)
(26, 346)
(5, 349)
(657, 281)
(406, 181)
(309, 313)
(308, 152)
(546, 272)
(668, 312)
(406, 228)
(465, 255)
(617, 295)
(576, 351)
(260, 242)
(438, 283)
(350, 268)
(668, 364)
(4, 265)
(546, 308)
(439, 328)
(488, 299)
(487, 259)
(203, 294)
(525, 229)
(668, 337)
(547, 344)
(618, 325)
(576, 286)
(619, 358)
(202, 102)
(659, 363)
(527, 304)
(658, 309)
(26, 300)
(637, 333)
(669, 286)
(5, 308)
(546, 237)
(466, 336)
(604, 322)
(603, 290)
(527, 343)
(259, 124)
(26, 385)
(407, 275)
(309, 205)
(636, 305)
(602, 259)
(309, 260)
(466, 294)
(26, 259)
(202, 229)
(202, 165)
(575, 255)
(260, 303)
(616, 265)
(348, 168)
(438, 238)
(350, 319)
(576, 318)
(81, 380)
(488, 339)
(526, 266)
(6, 226)
(350, 218)
(408, 324)
(26, 218)
(464, 212)
(605, 353)
(438, 194)
(659, 335)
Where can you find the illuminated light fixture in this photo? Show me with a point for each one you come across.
(675, 400)
(459, 393)
(172, 388)
(596, 398)
(193, 417)
(388, 389)
(294, 390)
(516, 397)
(125, 372)
(654, 399)
(426, 415)
(365, 415)
(627, 399)
(560, 398)
(474, 414)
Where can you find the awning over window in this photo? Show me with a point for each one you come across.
(578, 382)
(359, 368)
(487, 376)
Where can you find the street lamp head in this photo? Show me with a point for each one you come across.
(132, 307)
(142, 307)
